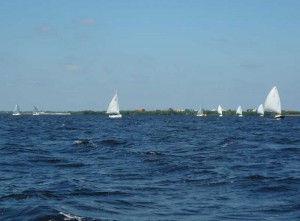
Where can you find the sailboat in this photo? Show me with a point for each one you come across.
(260, 110)
(35, 111)
(273, 103)
(239, 111)
(200, 113)
(220, 111)
(114, 108)
(17, 110)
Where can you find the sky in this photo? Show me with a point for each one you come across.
(158, 54)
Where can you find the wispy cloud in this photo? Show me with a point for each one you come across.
(45, 30)
(221, 40)
(252, 66)
(86, 21)
(72, 67)
(32, 82)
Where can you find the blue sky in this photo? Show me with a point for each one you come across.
(73, 55)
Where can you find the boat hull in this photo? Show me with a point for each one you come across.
(50, 113)
(279, 117)
(115, 116)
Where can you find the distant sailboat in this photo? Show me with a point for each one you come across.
(273, 103)
(17, 110)
(200, 113)
(35, 111)
(239, 111)
(114, 108)
(260, 110)
(220, 112)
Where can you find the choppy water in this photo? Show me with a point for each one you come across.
(149, 168)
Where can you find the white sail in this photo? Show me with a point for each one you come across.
(239, 111)
(260, 110)
(17, 110)
(114, 108)
(273, 103)
(35, 111)
(200, 112)
(220, 111)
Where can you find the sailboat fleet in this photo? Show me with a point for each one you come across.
(272, 104)
(36, 111)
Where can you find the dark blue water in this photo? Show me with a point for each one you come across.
(149, 168)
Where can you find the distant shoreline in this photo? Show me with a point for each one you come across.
(155, 112)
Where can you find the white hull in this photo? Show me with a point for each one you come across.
(44, 113)
(240, 115)
(279, 117)
(16, 114)
(55, 114)
(115, 116)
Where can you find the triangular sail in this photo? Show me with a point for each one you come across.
(239, 110)
(220, 110)
(260, 110)
(35, 109)
(17, 110)
(272, 102)
(113, 107)
(200, 112)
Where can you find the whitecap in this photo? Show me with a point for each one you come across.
(81, 141)
(71, 217)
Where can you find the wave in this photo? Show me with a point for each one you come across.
(81, 142)
(71, 217)
(113, 142)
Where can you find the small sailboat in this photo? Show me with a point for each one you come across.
(260, 110)
(220, 112)
(114, 108)
(35, 111)
(273, 103)
(239, 111)
(17, 110)
(200, 113)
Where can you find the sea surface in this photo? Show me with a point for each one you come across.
(89, 167)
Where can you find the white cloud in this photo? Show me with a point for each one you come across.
(45, 30)
(72, 67)
(87, 21)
